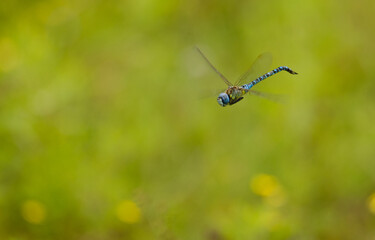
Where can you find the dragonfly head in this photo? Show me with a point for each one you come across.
(223, 99)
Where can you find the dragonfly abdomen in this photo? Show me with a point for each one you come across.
(269, 74)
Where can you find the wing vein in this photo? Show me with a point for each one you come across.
(212, 66)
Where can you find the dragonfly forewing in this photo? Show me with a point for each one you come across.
(212, 66)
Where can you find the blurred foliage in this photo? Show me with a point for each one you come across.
(106, 132)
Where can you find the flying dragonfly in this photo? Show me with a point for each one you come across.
(235, 92)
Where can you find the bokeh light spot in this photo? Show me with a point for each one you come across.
(371, 203)
(264, 185)
(128, 212)
(33, 212)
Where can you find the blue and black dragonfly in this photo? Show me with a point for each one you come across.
(235, 92)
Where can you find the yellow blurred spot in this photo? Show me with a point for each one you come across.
(128, 212)
(8, 55)
(33, 212)
(371, 203)
(265, 185)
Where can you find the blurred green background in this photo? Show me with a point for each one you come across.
(109, 129)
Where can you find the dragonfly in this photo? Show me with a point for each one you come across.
(236, 92)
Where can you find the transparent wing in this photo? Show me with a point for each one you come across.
(268, 96)
(260, 66)
(212, 66)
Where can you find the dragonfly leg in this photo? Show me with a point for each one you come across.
(235, 101)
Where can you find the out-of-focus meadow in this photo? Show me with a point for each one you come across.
(110, 128)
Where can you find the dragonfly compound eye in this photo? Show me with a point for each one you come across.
(223, 99)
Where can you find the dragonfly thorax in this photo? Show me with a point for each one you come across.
(231, 96)
(235, 92)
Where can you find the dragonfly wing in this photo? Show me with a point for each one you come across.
(212, 66)
(258, 68)
(268, 96)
